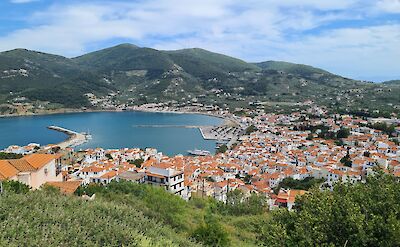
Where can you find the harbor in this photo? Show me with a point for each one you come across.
(74, 138)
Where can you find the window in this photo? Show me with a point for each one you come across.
(46, 171)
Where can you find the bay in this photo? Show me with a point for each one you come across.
(113, 130)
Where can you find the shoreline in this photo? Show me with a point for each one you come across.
(75, 139)
(70, 111)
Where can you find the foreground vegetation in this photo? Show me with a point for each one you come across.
(126, 214)
(352, 215)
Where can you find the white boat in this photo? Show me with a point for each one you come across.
(199, 152)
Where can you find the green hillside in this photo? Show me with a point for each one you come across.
(138, 75)
(46, 77)
(205, 65)
(125, 57)
(127, 214)
(124, 214)
(290, 68)
(392, 82)
(49, 219)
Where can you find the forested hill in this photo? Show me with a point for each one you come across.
(139, 75)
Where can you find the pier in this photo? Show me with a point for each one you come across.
(74, 138)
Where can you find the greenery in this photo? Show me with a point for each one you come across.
(342, 133)
(222, 149)
(250, 129)
(46, 218)
(15, 187)
(346, 160)
(128, 214)
(137, 162)
(142, 75)
(9, 156)
(237, 203)
(362, 214)
(108, 156)
(383, 126)
(211, 232)
(190, 219)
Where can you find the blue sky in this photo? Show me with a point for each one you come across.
(355, 38)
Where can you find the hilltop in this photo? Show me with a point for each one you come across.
(137, 75)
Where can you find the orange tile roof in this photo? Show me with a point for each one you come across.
(22, 165)
(66, 187)
(7, 170)
(109, 175)
(40, 160)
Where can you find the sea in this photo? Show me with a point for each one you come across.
(112, 130)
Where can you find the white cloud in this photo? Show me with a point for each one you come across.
(391, 6)
(254, 30)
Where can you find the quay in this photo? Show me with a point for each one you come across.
(74, 138)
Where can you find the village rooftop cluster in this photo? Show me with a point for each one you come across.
(276, 147)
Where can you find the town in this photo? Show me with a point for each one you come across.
(272, 148)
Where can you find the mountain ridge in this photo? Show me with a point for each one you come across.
(143, 75)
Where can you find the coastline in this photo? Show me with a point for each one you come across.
(75, 139)
(69, 111)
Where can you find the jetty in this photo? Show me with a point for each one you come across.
(74, 138)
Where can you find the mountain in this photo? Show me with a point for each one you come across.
(137, 75)
(46, 77)
(291, 68)
(392, 82)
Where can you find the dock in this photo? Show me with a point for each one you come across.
(74, 138)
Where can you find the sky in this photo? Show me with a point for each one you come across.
(354, 38)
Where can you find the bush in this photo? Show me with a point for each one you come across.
(39, 218)
(238, 204)
(9, 156)
(211, 232)
(15, 187)
(362, 214)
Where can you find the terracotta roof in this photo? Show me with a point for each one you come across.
(109, 175)
(93, 169)
(7, 170)
(40, 160)
(66, 187)
(22, 165)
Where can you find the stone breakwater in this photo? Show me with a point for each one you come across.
(74, 138)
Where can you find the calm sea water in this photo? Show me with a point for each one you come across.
(112, 130)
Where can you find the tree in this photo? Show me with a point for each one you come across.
(250, 129)
(137, 162)
(109, 156)
(361, 214)
(9, 156)
(210, 232)
(15, 187)
(222, 149)
(343, 133)
(237, 203)
(346, 160)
